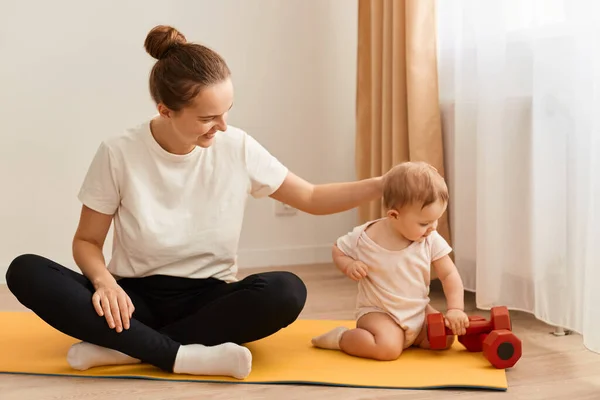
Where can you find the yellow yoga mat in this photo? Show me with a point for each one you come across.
(29, 346)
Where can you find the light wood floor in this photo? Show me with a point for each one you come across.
(551, 367)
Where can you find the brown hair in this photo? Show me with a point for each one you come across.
(183, 69)
(413, 182)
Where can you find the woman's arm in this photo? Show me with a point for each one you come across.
(88, 243)
(109, 299)
(327, 198)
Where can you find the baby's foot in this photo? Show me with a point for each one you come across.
(331, 339)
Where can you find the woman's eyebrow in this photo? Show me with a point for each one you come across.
(212, 116)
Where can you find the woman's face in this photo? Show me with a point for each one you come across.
(199, 123)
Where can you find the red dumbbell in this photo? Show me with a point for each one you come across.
(494, 337)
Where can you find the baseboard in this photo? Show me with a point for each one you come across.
(253, 258)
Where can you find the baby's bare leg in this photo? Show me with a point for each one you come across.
(377, 336)
(421, 340)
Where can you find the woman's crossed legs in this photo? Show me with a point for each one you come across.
(205, 340)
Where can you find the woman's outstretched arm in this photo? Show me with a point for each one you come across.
(329, 198)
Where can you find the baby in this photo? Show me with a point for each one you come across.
(391, 258)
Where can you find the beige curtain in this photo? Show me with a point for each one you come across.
(398, 116)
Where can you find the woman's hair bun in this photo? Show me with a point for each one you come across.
(161, 39)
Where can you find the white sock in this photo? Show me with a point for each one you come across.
(331, 339)
(227, 359)
(85, 355)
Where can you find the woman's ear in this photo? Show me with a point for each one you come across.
(164, 111)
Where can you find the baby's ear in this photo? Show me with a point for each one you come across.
(392, 214)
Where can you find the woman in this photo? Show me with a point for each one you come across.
(175, 187)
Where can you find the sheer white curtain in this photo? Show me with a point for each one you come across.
(519, 89)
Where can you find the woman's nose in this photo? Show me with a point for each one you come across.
(221, 124)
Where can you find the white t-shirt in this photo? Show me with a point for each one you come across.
(178, 215)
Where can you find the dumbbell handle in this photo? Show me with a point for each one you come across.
(476, 326)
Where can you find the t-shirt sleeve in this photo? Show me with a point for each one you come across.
(265, 171)
(100, 188)
(438, 246)
(347, 243)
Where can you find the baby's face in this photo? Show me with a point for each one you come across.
(416, 223)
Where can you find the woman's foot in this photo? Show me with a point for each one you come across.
(227, 359)
(82, 356)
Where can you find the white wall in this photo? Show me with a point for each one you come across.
(73, 73)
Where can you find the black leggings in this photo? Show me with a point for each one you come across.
(169, 311)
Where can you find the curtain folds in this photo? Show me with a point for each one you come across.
(397, 109)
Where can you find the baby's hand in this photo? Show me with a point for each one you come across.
(356, 270)
(457, 321)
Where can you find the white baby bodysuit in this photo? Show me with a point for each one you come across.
(398, 281)
(178, 215)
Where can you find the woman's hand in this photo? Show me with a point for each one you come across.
(112, 303)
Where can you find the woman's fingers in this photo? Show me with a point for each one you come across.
(116, 312)
(97, 304)
(107, 312)
(130, 307)
(124, 308)
(116, 307)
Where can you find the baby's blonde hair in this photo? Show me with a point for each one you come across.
(413, 182)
